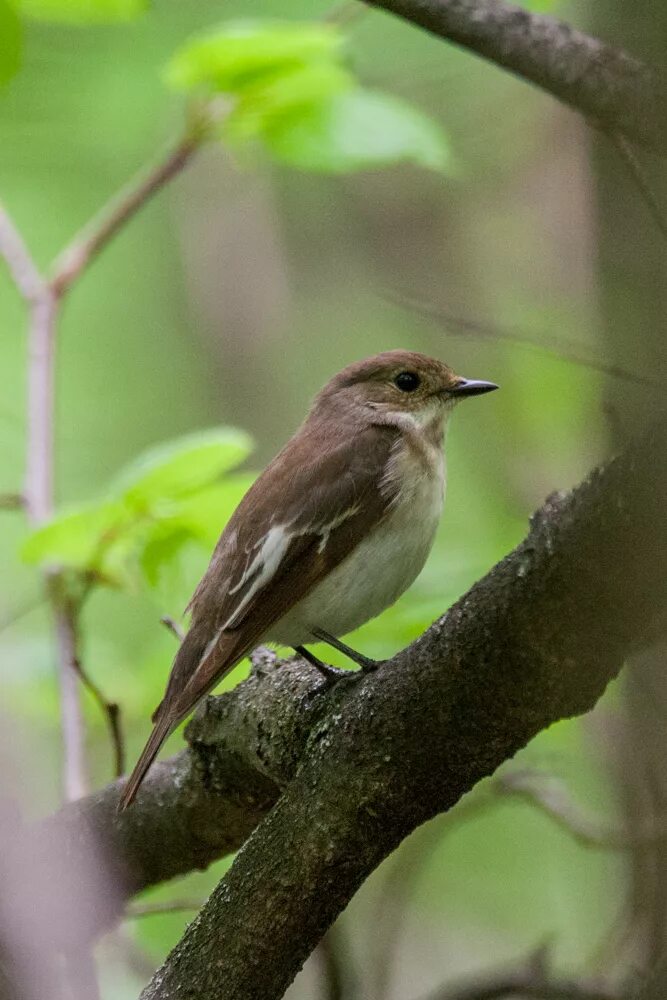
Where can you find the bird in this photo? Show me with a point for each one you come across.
(334, 530)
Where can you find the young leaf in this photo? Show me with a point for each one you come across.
(82, 11)
(241, 53)
(10, 41)
(181, 467)
(262, 103)
(76, 537)
(355, 131)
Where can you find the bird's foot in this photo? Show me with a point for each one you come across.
(331, 675)
(365, 662)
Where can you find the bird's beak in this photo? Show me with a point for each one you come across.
(471, 387)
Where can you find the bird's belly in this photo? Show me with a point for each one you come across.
(373, 576)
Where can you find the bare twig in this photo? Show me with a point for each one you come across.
(22, 268)
(172, 626)
(75, 258)
(41, 370)
(526, 987)
(111, 711)
(638, 175)
(557, 347)
(75, 778)
(137, 911)
(551, 798)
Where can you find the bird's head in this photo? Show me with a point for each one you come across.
(399, 382)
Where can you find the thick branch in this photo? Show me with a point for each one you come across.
(605, 84)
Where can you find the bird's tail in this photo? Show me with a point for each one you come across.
(199, 664)
(164, 726)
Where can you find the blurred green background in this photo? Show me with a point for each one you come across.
(230, 300)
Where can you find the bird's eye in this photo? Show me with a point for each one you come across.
(407, 381)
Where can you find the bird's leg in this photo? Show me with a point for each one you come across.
(330, 674)
(364, 662)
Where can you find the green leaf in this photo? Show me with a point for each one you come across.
(83, 11)
(200, 518)
(10, 41)
(356, 131)
(76, 537)
(263, 103)
(241, 53)
(181, 467)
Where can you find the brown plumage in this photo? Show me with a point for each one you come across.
(364, 449)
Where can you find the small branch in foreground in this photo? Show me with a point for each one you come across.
(75, 778)
(172, 626)
(111, 711)
(92, 239)
(22, 268)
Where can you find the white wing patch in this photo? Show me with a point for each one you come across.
(271, 550)
(267, 559)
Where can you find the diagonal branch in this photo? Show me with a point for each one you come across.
(611, 88)
(23, 270)
(75, 258)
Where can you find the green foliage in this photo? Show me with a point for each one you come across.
(292, 92)
(83, 11)
(355, 131)
(170, 495)
(10, 41)
(244, 53)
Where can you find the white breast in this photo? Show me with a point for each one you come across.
(384, 564)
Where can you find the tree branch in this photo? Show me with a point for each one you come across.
(22, 268)
(83, 249)
(611, 88)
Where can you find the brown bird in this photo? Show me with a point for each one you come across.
(333, 531)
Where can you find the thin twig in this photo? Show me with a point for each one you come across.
(527, 988)
(638, 175)
(38, 489)
(111, 711)
(552, 799)
(22, 268)
(137, 911)
(558, 348)
(75, 777)
(76, 257)
(172, 626)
